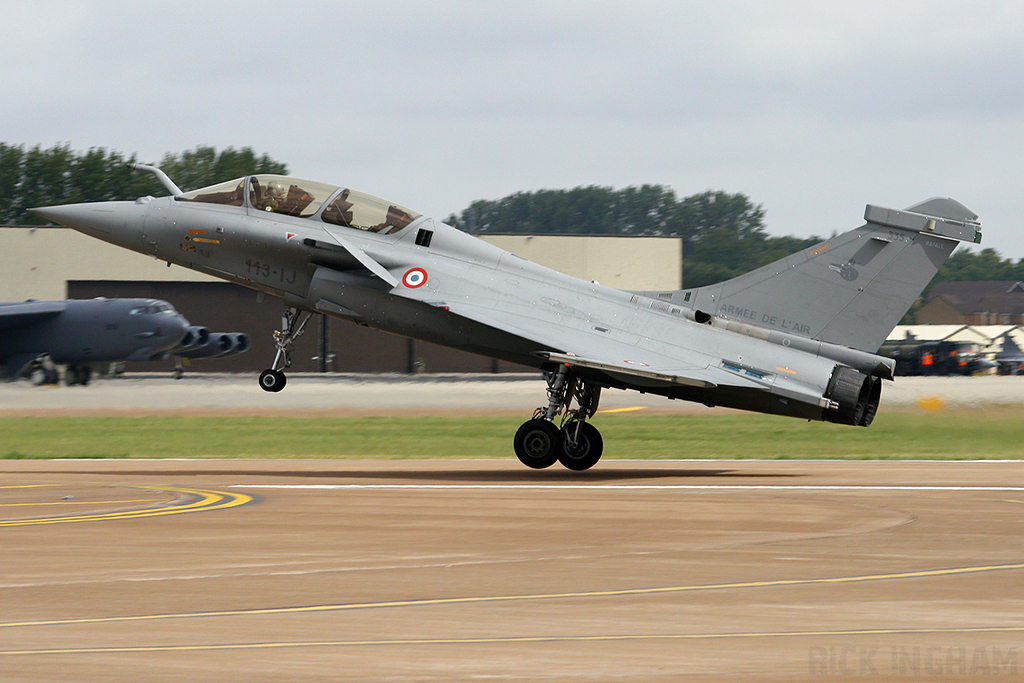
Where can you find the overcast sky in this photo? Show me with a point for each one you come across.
(812, 109)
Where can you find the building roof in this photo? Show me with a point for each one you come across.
(989, 337)
(987, 296)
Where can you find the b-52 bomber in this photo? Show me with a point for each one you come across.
(797, 337)
(36, 336)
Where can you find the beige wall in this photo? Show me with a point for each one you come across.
(36, 263)
(637, 263)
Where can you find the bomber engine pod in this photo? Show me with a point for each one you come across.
(195, 337)
(856, 394)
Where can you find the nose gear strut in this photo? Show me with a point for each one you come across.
(292, 327)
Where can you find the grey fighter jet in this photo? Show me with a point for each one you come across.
(1010, 358)
(797, 337)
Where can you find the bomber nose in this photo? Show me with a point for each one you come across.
(179, 329)
(168, 335)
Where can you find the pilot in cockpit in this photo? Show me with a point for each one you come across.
(274, 197)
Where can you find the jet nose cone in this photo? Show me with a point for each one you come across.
(47, 212)
(50, 213)
(114, 222)
(83, 217)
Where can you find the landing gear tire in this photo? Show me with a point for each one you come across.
(77, 374)
(582, 446)
(272, 380)
(538, 443)
(292, 327)
(40, 375)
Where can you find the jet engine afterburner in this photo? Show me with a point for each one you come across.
(856, 394)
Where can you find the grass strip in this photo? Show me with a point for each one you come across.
(966, 434)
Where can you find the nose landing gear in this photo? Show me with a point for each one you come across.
(273, 379)
(577, 444)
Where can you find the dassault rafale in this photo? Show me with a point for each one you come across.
(798, 337)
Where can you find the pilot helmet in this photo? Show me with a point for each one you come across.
(276, 189)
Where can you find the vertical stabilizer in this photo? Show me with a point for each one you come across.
(853, 289)
(1010, 348)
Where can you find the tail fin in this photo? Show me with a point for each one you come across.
(1010, 347)
(851, 290)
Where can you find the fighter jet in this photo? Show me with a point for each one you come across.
(1010, 358)
(37, 336)
(797, 337)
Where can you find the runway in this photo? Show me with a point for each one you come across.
(466, 570)
(420, 394)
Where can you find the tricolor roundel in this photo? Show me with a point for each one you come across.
(414, 277)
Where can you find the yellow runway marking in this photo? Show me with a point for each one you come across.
(204, 501)
(512, 639)
(79, 502)
(632, 409)
(426, 602)
(28, 486)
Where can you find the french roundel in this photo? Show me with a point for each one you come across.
(415, 277)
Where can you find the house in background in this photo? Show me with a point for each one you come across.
(992, 302)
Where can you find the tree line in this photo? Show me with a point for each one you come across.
(723, 234)
(59, 175)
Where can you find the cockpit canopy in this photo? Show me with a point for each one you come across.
(154, 307)
(307, 198)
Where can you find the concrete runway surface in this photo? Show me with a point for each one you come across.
(375, 394)
(466, 570)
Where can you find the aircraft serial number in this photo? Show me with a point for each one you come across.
(895, 236)
(268, 271)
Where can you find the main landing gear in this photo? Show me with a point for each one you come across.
(577, 444)
(273, 379)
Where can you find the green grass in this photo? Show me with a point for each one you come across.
(990, 433)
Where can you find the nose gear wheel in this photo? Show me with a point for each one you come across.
(292, 327)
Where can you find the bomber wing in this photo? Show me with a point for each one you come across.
(14, 316)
